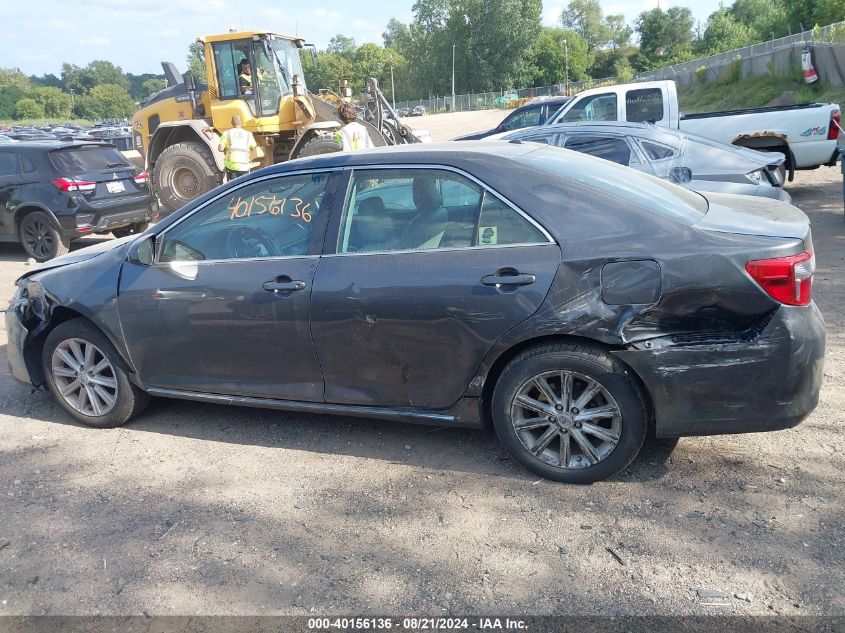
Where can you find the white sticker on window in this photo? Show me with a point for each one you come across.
(488, 235)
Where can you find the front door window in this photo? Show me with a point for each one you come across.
(277, 217)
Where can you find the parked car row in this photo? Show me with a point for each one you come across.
(112, 129)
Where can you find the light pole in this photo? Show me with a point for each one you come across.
(566, 66)
(452, 105)
(392, 87)
(72, 103)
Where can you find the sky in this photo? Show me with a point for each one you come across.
(138, 34)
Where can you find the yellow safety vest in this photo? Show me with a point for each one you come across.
(236, 145)
(353, 136)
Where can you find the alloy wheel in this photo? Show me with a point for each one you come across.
(84, 377)
(38, 237)
(566, 419)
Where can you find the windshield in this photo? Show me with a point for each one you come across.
(86, 158)
(272, 85)
(287, 54)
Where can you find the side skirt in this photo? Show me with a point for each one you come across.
(465, 414)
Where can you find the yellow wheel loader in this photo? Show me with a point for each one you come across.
(177, 130)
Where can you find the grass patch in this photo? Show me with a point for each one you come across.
(753, 92)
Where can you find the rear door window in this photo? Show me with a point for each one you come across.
(655, 151)
(77, 160)
(423, 209)
(500, 225)
(9, 164)
(610, 148)
(596, 108)
(644, 105)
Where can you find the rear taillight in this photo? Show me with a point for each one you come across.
(835, 126)
(72, 184)
(141, 179)
(788, 280)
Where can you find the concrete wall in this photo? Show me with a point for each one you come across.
(828, 60)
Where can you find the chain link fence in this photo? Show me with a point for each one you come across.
(501, 99)
(681, 72)
(685, 71)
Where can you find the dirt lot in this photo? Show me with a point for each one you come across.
(207, 509)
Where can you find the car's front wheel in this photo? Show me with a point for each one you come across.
(87, 377)
(569, 412)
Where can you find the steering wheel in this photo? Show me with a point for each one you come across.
(244, 242)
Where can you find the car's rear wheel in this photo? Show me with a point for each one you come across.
(132, 229)
(87, 376)
(40, 238)
(569, 412)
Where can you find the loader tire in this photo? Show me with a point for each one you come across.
(184, 171)
(319, 145)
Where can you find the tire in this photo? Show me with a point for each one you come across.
(40, 238)
(617, 406)
(132, 229)
(319, 145)
(71, 340)
(184, 171)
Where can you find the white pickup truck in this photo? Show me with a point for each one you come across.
(805, 134)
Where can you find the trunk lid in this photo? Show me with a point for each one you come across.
(751, 215)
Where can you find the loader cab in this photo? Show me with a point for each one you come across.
(272, 62)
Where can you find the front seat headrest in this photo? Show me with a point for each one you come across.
(426, 194)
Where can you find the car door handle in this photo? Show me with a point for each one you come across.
(283, 286)
(499, 279)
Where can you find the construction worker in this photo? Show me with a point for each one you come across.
(353, 135)
(245, 77)
(237, 144)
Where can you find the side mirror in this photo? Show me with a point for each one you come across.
(680, 175)
(142, 251)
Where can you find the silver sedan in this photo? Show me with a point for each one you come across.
(685, 159)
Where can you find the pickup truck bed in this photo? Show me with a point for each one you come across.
(708, 115)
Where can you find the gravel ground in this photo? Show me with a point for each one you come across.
(201, 509)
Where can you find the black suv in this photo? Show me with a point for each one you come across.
(529, 115)
(52, 192)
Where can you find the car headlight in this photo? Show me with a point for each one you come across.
(755, 176)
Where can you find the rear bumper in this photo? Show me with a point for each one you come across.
(84, 218)
(85, 222)
(769, 383)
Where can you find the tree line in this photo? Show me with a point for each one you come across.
(501, 44)
(494, 45)
(99, 90)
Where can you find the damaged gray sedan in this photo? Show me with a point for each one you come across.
(691, 161)
(568, 303)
